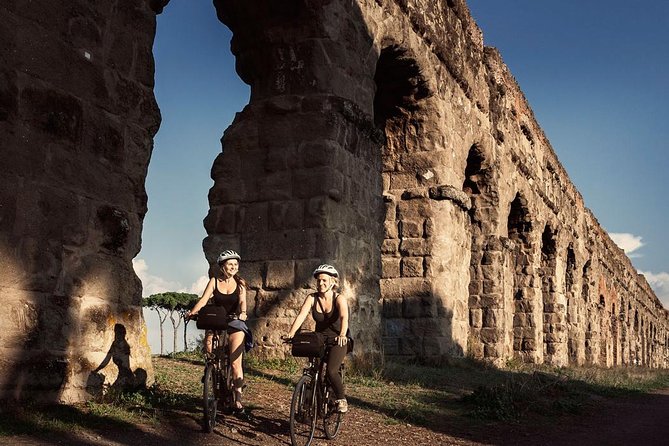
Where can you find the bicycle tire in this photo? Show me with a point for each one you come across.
(331, 418)
(209, 400)
(303, 412)
(226, 391)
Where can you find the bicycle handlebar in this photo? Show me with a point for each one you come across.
(230, 317)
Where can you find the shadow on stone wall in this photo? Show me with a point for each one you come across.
(119, 354)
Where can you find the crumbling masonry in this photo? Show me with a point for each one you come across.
(381, 136)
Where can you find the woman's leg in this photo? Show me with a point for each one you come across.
(236, 344)
(335, 359)
(208, 336)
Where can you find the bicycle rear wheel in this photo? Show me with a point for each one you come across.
(209, 400)
(332, 419)
(303, 412)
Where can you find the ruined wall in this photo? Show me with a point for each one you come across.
(77, 117)
(480, 246)
(381, 136)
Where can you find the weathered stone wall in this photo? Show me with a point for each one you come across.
(381, 136)
(481, 245)
(77, 118)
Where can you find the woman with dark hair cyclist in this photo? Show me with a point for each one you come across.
(229, 291)
(330, 311)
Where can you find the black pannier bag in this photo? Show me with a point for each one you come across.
(212, 317)
(308, 344)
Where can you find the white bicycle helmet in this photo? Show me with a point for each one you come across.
(326, 269)
(227, 255)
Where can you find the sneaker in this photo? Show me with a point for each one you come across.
(341, 406)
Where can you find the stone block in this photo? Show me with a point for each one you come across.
(413, 193)
(491, 300)
(492, 272)
(317, 181)
(390, 230)
(411, 228)
(256, 218)
(415, 247)
(280, 274)
(428, 228)
(491, 286)
(390, 267)
(476, 318)
(529, 345)
(399, 180)
(396, 328)
(492, 317)
(273, 245)
(419, 306)
(412, 267)
(253, 273)
(475, 287)
(286, 214)
(491, 335)
(390, 247)
(392, 308)
(493, 351)
(275, 186)
(322, 212)
(304, 273)
(391, 346)
(491, 258)
(414, 210)
(410, 346)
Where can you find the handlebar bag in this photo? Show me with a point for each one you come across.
(212, 317)
(308, 344)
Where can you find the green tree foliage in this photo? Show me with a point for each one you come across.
(174, 305)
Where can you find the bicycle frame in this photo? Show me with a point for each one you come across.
(313, 388)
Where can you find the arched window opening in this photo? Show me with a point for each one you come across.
(400, 85)
(519, 224)
(473, 171)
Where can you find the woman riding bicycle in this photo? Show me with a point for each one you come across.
(229, 291)
(330, 311)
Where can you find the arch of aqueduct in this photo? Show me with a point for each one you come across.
(381, 135)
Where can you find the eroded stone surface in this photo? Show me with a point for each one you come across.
(381, 136)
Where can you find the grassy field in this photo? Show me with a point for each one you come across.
(459, 391)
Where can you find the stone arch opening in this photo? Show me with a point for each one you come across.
(400, 84)
(614, 334)
(486, 314)
(604, 324)
(525, 323)
(573, 309)
(553, 310)
(586, 279)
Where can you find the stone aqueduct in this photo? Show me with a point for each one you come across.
(381, 135)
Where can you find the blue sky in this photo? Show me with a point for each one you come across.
(594, 72)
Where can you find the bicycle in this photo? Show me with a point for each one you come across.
(310, 402)
(217, 379)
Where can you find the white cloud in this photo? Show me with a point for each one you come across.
(198, 286)
(660, 284)
(627, 242)
(152, 284)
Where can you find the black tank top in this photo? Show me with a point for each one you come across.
(327, 323)
(228, 301)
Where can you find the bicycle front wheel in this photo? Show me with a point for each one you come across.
(303, 412)
(332, 418)
(209, 400)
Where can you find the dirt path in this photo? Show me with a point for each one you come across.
(639, 420)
